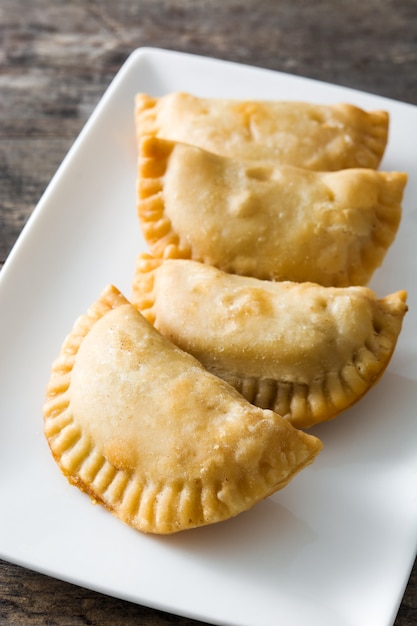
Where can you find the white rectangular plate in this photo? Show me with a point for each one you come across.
(337, 545)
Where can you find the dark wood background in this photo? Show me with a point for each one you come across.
(56, 59)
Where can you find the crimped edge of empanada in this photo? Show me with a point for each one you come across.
(156, 227)
(323, 398)
(72, 450)
(147, 503)
(372, 126)
(365, 257)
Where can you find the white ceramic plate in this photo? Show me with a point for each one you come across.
(337, 545)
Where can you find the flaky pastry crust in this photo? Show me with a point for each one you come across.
(316, 137)
(306, 351)
(270, 222)
(146, 431)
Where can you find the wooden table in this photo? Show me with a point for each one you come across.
(57, 58)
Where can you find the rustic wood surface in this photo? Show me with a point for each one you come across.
(57, 58)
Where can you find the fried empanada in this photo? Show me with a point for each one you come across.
(317, 137)
(270, 222)
(146, 431)
(306, 351)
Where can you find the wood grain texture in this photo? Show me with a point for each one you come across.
(56, 60)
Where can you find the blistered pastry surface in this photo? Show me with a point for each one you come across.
(144, 429)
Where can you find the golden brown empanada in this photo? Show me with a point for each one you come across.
(317, 137)
(271, 222)
(305, 351)
(146, 431)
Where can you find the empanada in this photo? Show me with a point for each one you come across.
(271, 222)
(146, 431)
(305, 351)
(317, 137)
